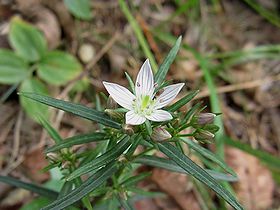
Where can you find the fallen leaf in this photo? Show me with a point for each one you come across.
(255, 186)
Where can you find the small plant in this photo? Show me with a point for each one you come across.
(31, 62)
(143, 120)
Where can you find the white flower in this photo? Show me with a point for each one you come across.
(144, 105)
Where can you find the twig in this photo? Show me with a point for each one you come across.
(240, 86)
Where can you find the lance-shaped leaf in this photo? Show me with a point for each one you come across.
(172, 166)
(103, 159)
(88, 186)
(29, 186)
(199, 173)
(186, 99)
(76, 140)
(208, 154)
(164, 67)
(77, 109)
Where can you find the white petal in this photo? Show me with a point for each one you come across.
(169, 93)
(120, 94)
(159, 116)
(145, 80)
(134, 119)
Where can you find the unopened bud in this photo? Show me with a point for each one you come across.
(160, 134)
(128, 129)
(205, 118)
(65, 164)
(53, 156)
(111, 103)
(115, 115)
(203, 135)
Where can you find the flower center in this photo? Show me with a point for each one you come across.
(143, 105)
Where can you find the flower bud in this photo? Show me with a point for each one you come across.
(53, 156)
(128, 129)
(160, 134)
(111, 103)
(113, 114)
(205, 118)
(203, 135)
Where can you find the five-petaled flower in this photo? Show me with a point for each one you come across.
(144, 105)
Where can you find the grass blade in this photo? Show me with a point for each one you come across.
(267, 158)
(199, 173)
(79, 139)
(88, 186)
(30, 187)
(76, 109)
(139, 34)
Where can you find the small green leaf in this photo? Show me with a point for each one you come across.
(172, 166)
(190, 113)
(208, 154)
(199, 173)
(79, 8)
(57, 67)
(88, 186)
(28, 41)
(77, 109)
(76, 140)
(51, 131)
(103, 159)
(30, 187)
(31, 107)
(13, 69)
(164, 67)
(186, 99)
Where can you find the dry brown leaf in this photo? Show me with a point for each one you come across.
(255, 186)
(33, 163)
(177, 187)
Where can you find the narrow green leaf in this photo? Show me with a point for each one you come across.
(208, 154)
(164, 67)
(76, 140)
(29, 186)
(13, 69)
(88, 186)
(79, 8)
(186, 99)
(267, 158)
(125, 203)
(28, 41)
(135, 179)
(190, 113)
(51, 131)
(130, 82)
(172, 166)
(105, 158)
(73, 108)
(66, 188)
(58, 67)
(31, 107)
(198, 172)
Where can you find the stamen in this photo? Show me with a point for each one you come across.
(138, 84)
